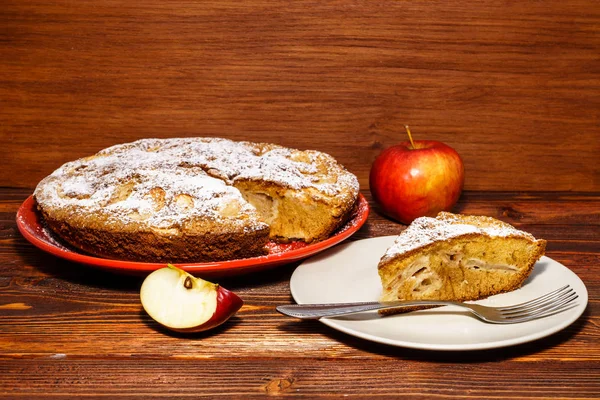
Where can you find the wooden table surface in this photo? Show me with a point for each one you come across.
(513, 86)
(66, 329)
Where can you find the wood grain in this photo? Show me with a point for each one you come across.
(357, 378)
(513, 86)
(71, 331)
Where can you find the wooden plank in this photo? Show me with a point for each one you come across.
(512, 86)
(403, 376)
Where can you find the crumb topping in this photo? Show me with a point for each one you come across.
(166, 181)
(426, 230)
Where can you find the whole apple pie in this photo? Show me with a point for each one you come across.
(457, 257)
(195, 199)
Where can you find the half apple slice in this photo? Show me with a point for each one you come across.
(184, 303)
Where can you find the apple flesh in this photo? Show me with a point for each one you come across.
(184, 303)
(416, 179)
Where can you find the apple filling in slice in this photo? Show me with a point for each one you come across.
(293, 215)
(456, 257)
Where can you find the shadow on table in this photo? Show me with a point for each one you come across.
(470, 356)
(151, 324)
(82, 274)
(75, 273)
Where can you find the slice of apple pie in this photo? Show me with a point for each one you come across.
(457, 257)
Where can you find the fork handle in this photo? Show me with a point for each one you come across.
(316, 311)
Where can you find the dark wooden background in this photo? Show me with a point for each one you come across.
(513, 86)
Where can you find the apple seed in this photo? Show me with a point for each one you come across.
(187, 283)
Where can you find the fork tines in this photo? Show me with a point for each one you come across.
(548, 304)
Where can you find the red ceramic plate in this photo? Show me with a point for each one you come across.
(32, 228)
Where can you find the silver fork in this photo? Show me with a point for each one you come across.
(549, 304)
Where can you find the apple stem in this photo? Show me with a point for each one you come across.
(187, 283)
(409, 136)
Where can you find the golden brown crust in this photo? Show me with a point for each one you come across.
(132, 245)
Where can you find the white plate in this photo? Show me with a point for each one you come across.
(348, 273)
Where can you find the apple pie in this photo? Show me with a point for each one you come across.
(195, 199)
(457, 257)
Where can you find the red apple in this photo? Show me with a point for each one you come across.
(184, 303)
(416, 178)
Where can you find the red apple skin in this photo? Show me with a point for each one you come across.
(228, 303)
(414, 182)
